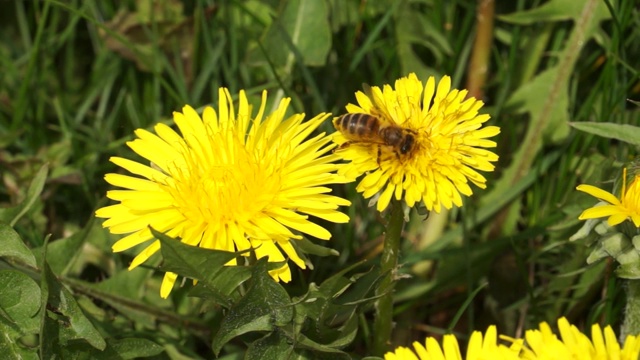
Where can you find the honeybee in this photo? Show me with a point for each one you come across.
(365, 128)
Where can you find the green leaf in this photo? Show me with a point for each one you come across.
(129, 33)
(204, 265)
(560, 10)
(35, 188)
(276, 345)
(528, 99)
(132, 348)
(629, 271)
(280, 345)
(327, 312)
(549, 11)
(19, 300)
(13, 246)
(303, 342)
(342, 13)
(64, 319)
(10, 349)
(373, 35)
(413, 31)
(545, 98)
(123, 288)
(623, 132)
(303, 24)
(62, 252)
(265, 305)
(223, 285)
(309, 247)
(129, 348)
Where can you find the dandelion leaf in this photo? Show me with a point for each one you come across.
(265, 306)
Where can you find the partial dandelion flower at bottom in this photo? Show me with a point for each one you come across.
(538, 344)
(230, 181)
(480, 347)
(543, 344)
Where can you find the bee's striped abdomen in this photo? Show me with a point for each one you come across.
(358, 126)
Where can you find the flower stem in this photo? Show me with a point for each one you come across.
(631, 324)
(388, 263)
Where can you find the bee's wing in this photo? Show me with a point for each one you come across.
(367, 91)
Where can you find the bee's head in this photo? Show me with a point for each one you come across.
(407, 144)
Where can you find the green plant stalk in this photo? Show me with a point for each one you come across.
(631, 324)
(388, 264)
(479, 64)
(532, 143)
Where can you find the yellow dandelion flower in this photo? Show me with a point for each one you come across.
(421, 143)
(479, 348)
(618, 210)
(230, 182)
(543, 344)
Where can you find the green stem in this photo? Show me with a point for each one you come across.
(631, 324)
(388, 264)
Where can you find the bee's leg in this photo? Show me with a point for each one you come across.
(379, 154)
(342, 146)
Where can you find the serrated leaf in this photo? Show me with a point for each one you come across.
(35, 188)
(363, 287)
(328, 312)
(345, 335)
(64, 318)
(549, 115)
(265, 305)
(204, 265)
(19, 300)
(303, 342)
(321, 301)
(527, 98)
(227, 281)
(49, 334)
(13, 246)
(274, 346)
(623, 132)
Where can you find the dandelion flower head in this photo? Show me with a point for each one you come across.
(480, 348)
(543, 344)
(539, 344)
(617, 209)
(230, 181)
(448, 149)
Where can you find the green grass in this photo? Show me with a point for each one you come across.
(75, 84)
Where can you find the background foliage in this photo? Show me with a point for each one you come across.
(79, 76)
